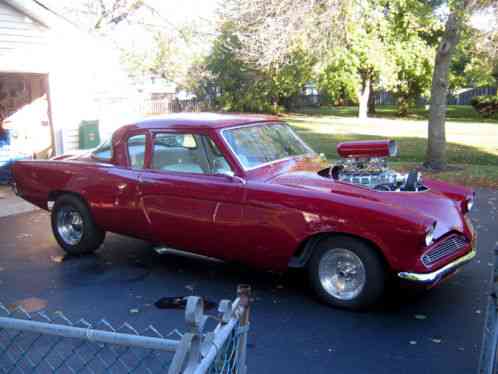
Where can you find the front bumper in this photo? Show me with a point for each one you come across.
(437, 275)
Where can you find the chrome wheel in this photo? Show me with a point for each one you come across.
(342, 273)
(70, 225)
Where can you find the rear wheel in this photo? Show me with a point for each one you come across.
(73, 226)
(346, 272)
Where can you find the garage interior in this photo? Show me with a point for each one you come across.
(25, 113)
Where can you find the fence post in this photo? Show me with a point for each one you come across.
(188, 354)
(244, 294)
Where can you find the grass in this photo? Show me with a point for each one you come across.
(456, 113)
(472, 145)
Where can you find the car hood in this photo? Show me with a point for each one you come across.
(441, 202)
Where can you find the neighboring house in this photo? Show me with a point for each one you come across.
(54, 75)
(156, 88)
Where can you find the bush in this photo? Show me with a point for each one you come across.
(487, 106)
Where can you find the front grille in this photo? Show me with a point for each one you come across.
(444, 249)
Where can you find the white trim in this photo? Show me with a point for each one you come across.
(312, 152)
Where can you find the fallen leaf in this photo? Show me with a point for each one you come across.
(57, 259)
(23, 235)
(420, 316)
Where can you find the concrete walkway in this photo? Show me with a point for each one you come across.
(10, 204)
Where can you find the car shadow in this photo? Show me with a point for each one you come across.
(191, 274)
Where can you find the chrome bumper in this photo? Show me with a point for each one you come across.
(436, 276)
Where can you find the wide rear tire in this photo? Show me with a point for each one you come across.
(74, 227)
(348, 273)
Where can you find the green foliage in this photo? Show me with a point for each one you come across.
(411, 30)
(487, 106)
(234, 85)
(391, 45)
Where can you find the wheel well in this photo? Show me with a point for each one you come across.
(54, 195)
(303, 253)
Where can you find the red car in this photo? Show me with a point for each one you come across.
(248, 189)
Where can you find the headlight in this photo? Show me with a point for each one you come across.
(429, 236)
(470, 204)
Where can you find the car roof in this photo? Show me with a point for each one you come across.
(201, 120)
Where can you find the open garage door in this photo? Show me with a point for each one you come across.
(25, 113)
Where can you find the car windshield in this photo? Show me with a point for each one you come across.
(263, 143)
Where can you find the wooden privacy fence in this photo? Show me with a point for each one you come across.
(156, 107)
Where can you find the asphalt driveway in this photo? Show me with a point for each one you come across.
(412, 332)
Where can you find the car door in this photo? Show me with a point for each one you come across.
(188, 203)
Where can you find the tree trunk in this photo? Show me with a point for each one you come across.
(363, 95)
(436, 147)
(371, 100)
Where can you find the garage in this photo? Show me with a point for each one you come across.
(54, 77)
(26, 126)
(24, 110)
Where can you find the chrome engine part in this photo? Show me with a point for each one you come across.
(364, 163)
(374, 173)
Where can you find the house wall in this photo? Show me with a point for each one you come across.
(19, 32)
(83, 70)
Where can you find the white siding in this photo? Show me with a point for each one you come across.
(17, 31)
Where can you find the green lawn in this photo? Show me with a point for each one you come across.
(457, 113)
(472, 145)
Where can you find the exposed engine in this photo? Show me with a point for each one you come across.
(364, 163)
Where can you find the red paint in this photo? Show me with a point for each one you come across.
(367, 148)
(262, 222)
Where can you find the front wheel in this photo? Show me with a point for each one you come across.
(73, 226)
(346, 272)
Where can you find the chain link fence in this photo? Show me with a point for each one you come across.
(41, 343)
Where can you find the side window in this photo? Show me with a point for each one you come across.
(104, 151)
(218, 163)
(136, 151)
(180, 153)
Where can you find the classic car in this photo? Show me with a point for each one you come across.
(246, 188)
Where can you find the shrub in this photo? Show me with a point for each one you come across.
(487, 106)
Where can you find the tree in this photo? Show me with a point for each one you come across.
(459, 11)
(98, 15)
(411, 30)
(385, 49)
(269, 29)
(233, 84)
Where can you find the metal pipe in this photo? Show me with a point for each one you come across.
(90, 335)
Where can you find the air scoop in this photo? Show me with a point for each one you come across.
(367, 149)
